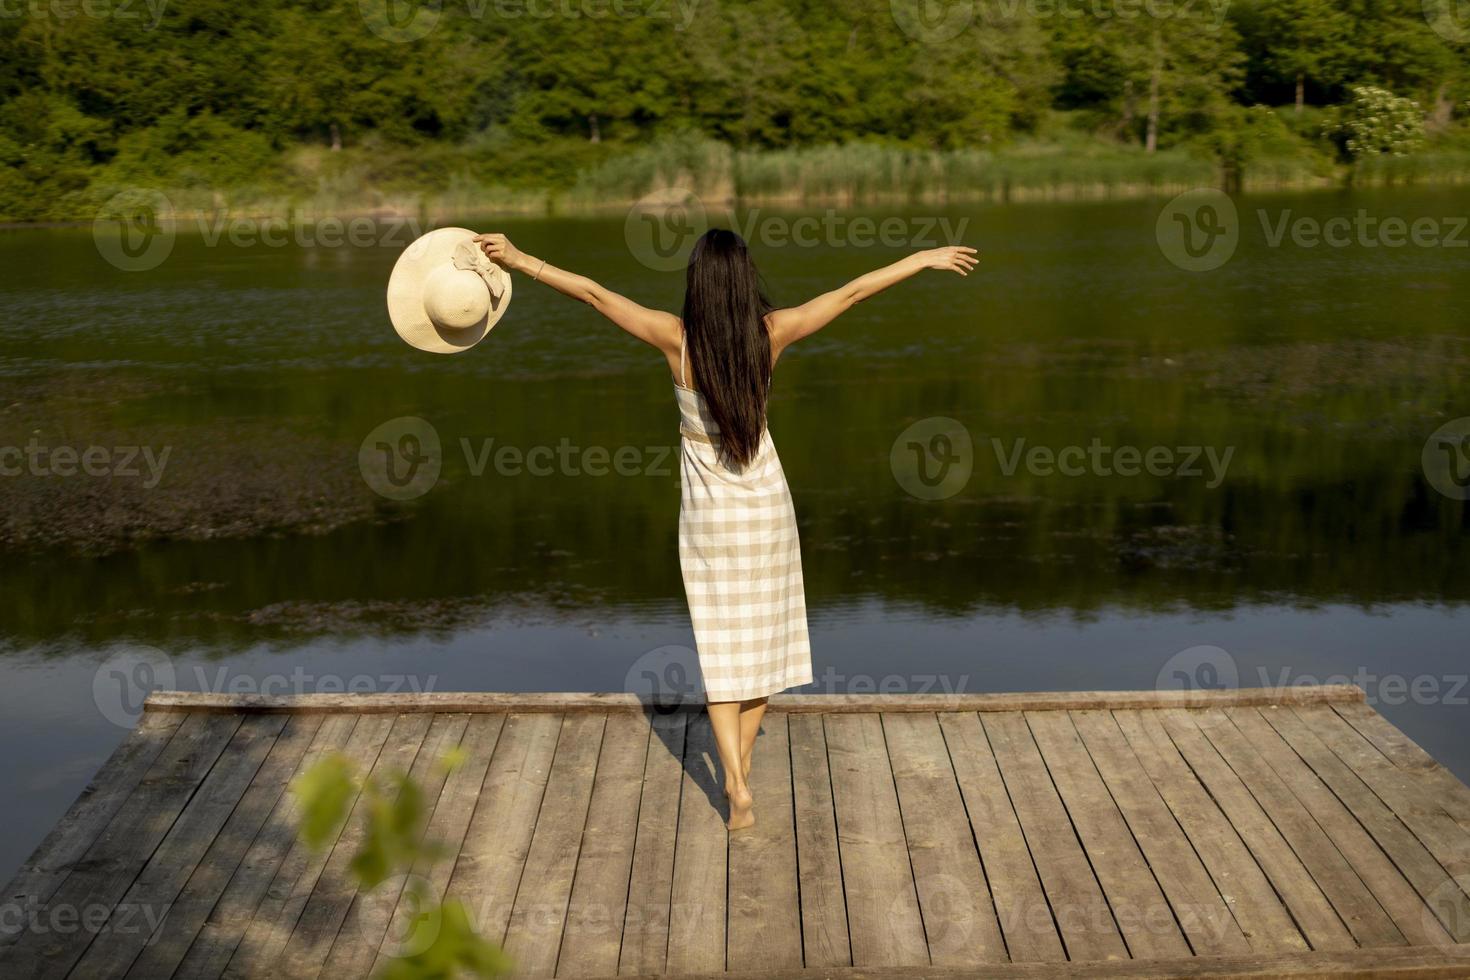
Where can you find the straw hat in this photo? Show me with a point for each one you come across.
(445, 294)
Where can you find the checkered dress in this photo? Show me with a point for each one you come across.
(741, 559)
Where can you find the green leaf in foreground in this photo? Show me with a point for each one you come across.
(326, 791)
(440, 940)
(448, 946)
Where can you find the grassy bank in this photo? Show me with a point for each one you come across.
(310, 183)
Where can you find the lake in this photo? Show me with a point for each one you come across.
(1084, 467)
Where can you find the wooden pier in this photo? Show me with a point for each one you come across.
(1282, 833)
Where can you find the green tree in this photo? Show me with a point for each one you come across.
(1311, 40)
(1156, 75)
(329, 78)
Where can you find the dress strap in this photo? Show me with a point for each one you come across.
(683, 373)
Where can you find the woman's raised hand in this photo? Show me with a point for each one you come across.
(951, 258)
(499, 249)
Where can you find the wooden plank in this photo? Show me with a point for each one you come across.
(460, 701)
(1365, 917)
(954, 900)
(448, 826)
(315, 930)
(594, 928)
(1404, 752)
(1314, 914)
(360, 935)
(1393, 963)
(1202, 913)
(1082, 914)
(539, 913)
(107, 869)
(819, 865)
(52, 860)
(488, 869)
(151, 897)
(646, 924)
(1377, 873)
(1267, 924)
(165, 949)
(765, 906)
(1409, 799)
(271, 921)
(1025, 917)
(697, 900)
(1408, 854)
(1138, 904)
(882, 905)
(1397, 747)
(210, 949)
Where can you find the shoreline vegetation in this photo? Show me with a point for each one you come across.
(230, 109)
(313, 184)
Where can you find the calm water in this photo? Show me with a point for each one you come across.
(1305, 542)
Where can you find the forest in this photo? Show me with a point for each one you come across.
(361, 104)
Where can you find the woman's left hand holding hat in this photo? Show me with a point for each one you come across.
(499, 249)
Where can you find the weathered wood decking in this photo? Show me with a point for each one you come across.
(1116, 834)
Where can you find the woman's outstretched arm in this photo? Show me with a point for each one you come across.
(655, 327)
(791, 324)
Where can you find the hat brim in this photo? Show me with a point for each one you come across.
(406, 295)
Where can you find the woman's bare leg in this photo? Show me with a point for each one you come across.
(724, 717)
(751, 713)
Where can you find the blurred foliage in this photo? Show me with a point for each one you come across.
(326, 791)
(250, 102)
(440, 940)
(455, 949)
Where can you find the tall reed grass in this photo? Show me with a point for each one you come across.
(1446, 166)
(872, 173)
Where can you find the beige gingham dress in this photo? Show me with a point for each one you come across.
(741, 558)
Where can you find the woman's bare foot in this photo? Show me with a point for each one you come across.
(742, 808)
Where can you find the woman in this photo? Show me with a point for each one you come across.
(738, 546)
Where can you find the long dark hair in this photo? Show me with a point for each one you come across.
(725, 309)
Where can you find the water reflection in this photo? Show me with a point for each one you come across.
(561, 494)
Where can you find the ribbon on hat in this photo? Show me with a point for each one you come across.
(469, 258)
